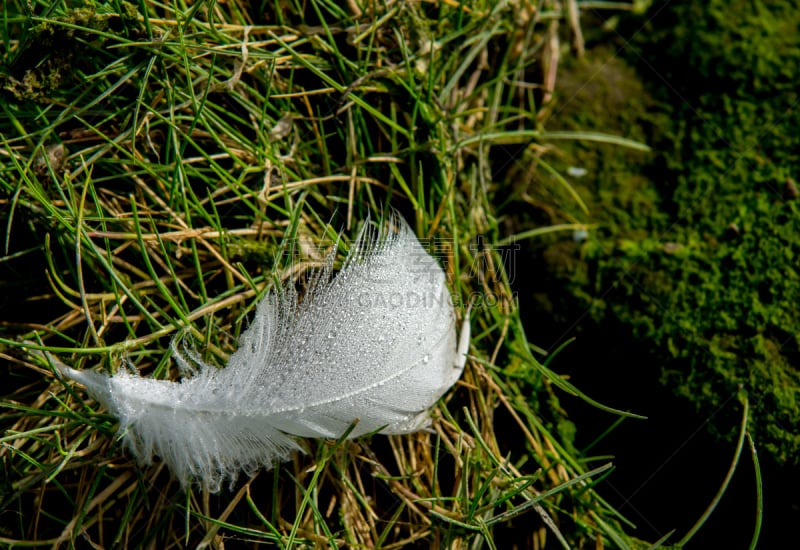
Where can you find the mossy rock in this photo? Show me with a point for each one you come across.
(700, 241)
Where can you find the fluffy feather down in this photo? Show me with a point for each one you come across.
(376, 343)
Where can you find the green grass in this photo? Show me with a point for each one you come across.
(159, 163)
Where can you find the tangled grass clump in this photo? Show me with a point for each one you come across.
(157, 166)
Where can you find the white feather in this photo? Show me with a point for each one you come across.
(376, 344)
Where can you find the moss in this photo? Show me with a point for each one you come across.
(701, 246)
(735, 47)
(52, 53)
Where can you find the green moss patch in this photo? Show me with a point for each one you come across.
(52, 53)
(701, 241)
